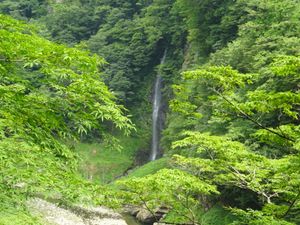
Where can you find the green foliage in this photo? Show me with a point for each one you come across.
(49, 93)
(271, 29)
(132, 42)
(233, 128)
(230, 163)
(72, 22)
(222, 94)
(211, 25)
(102, 163)
(171, 187)
(234, 121)
(25, 10)
(257, 218)
(150, 168)
(257, 99)
(21, 217)
(217, 215)
(126, 33)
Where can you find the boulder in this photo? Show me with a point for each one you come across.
(99, 212)
(161, 211)
(131, 209)
(146, 217)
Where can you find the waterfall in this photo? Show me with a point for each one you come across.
(156, 120)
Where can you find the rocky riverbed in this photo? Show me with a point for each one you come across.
(52, 214)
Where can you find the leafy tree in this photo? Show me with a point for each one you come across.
(25, 10)
(168, 187)
(233, 129)
(49, 94)
(132, 42)
(270, 146)
(72, 22)
(271, 29)
(211, 24)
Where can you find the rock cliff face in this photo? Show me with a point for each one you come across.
(54, 215)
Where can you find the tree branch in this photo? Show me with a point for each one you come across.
(251, 119)
(148, 208)
(186, 206)
(292, 204)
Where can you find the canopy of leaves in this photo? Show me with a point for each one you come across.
(234, 122)
(49, 94)
(233, 127)
(168, 187)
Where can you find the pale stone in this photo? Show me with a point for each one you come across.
(77, 215)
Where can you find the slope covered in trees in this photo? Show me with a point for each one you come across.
(50, 95)
(232, 135)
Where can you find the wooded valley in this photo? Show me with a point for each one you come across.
(190, 106)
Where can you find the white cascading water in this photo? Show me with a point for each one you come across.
(156, 113)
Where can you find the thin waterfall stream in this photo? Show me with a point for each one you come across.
(156, 113)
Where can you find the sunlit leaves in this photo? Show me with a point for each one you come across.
(269, 102)
(224, 162)
(224, 77)
(253, 217)
(50, 94)
(171, 187)
(287, 66)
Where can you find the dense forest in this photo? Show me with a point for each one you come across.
(78, 81)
